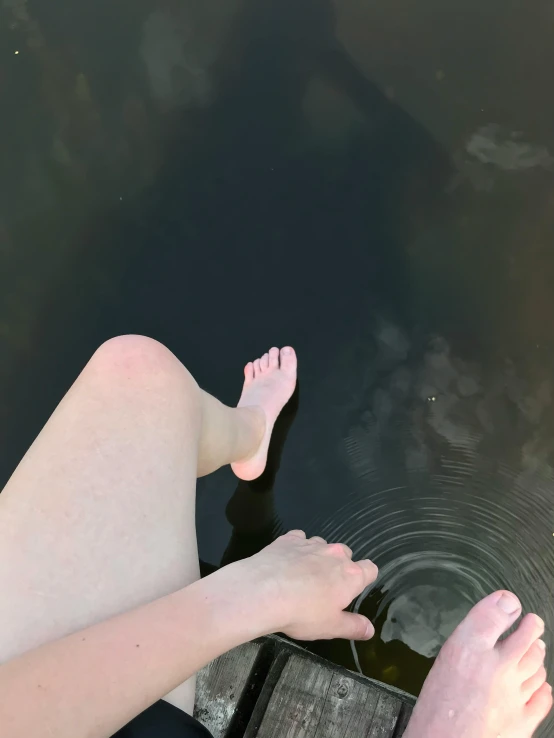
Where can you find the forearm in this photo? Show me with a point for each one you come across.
(93, 682)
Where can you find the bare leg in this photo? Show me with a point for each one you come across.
(99, 516)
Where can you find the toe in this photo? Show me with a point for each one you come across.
(488, 620)
(288, 360)
(532, 660)
(257, 368)
(274, 358)
(249, 372)
(534, 683)
(264, 361)
(520, 641)
(539, 706)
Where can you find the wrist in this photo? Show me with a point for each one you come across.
(242, 604)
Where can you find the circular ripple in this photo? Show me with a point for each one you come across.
(442, 541)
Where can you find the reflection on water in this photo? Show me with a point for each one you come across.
(450, 493)
(226, 174)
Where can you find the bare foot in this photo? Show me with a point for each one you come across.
(268, 384)
(481, 687)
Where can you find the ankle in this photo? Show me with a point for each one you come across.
(255, 423)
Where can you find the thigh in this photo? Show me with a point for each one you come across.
(99, 516)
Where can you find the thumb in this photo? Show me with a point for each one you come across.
(353, 627)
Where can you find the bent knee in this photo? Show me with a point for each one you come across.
(132, 354)
(140, 362)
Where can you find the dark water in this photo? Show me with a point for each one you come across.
(372, 183)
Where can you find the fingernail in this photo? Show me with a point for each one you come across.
(370, 631)
(287, 350)
(509, 604)
(541, 644)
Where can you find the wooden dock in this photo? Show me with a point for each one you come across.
(271, 688)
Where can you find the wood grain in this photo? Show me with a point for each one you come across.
(274, 689)
(220, 686)
(313, 701)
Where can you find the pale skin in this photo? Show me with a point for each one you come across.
(102, 611)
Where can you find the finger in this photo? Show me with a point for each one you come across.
(297, 533)
(340, 549)
(318, 539)
(353, 627)
(370, 571)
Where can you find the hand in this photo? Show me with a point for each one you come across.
(305, 585)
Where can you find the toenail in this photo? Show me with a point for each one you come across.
(287, 350)
(509, 604)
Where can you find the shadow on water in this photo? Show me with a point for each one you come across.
(260, 189)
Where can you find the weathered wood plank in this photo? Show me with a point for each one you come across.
(274, 689)
(385, 717)
(220, 686)
(349, 708)
(296, 705)
(284, 644)
(403, 720)
(312, 700)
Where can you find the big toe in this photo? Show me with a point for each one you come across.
(288, 360)
(488, 620)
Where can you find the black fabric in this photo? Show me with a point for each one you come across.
(163, 720)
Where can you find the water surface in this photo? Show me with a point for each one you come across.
(372, 183)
